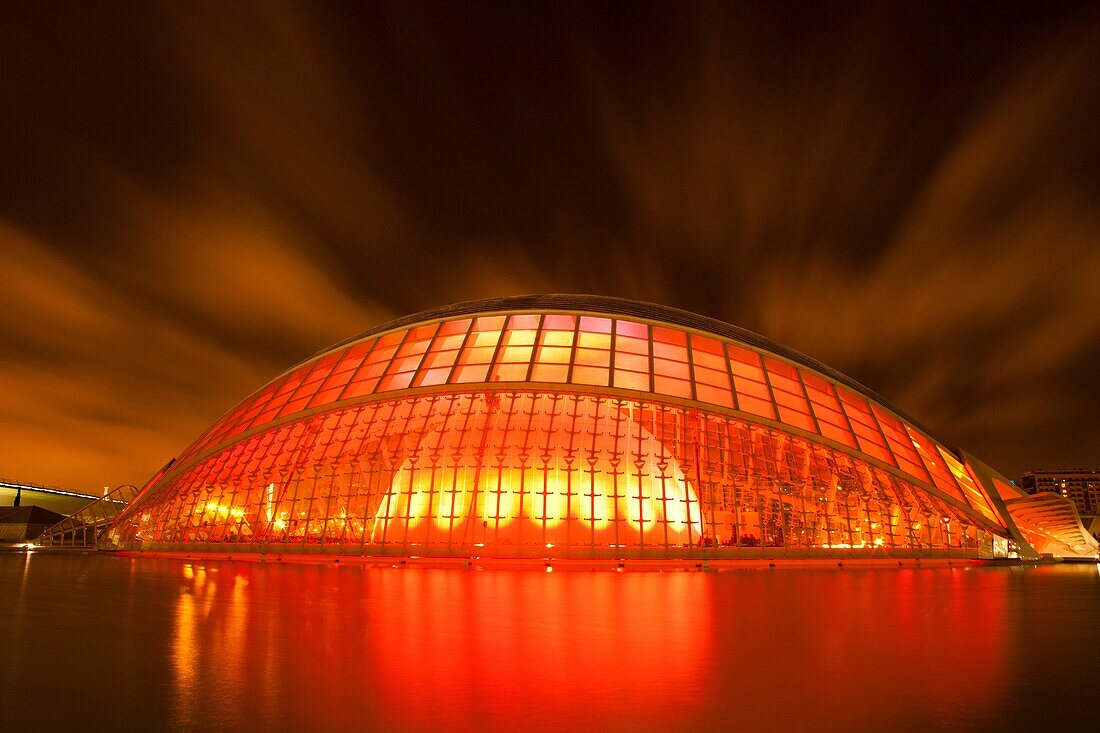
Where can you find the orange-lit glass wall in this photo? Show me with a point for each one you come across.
(513, 473)
(603, 352)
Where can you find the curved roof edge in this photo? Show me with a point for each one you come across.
(638, 309)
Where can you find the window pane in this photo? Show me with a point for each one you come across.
(555, 349)
(592, 357)
(596, 325)
(550, 372)
(756, 406)
(712, 381)
(674, 387)
(631, 380)
(900, 444)
(632, 329)
(751, 388)
(590, 375)
(510, 373)
(935, 464)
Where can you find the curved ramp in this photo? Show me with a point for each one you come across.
(84, 528)
(1052, 525)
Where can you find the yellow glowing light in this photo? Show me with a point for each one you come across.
(500, 502)
(220, 509)
(417, 501)
(465, 486)
(551, 499)
(639, 507)
(594, 501)
(453, 495)
(269, 498)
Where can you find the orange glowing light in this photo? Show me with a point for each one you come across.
(470, 503)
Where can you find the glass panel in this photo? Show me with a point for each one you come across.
(478, 351)
(631, 380)
(753, 394)
(901, 444)
(712, 379)
(443, 352)
(517, 347)
(787, 392)
(671, 374)
(632, 329)
(555, 349)
(970, 485)
(871, 439)
(827, 409)
(523, 474)
(933, 462)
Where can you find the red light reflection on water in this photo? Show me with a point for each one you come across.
(166, 645)
(296, 647)
(579, 647)
(858, 649)
(438, 648)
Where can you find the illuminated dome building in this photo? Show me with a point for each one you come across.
(585, 427)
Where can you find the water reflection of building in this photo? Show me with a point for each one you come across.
(1079, 485)
(577, 426)
(323, 647)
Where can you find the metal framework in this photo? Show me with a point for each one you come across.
(592, 427)
(86, 527)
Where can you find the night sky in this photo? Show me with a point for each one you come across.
(196, 195)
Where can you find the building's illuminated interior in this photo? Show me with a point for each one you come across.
(576, 426)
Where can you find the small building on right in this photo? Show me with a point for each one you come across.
(1079, 485)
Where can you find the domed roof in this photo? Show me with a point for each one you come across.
(601, 345)
(577, 303)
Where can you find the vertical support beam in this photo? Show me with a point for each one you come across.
(984, 475)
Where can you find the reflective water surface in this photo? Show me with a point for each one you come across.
(116, 643)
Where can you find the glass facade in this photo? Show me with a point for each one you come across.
(591, 434)
(515, 473)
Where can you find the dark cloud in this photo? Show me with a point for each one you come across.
(198, 195)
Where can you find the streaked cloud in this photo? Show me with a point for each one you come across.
(199, 196)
